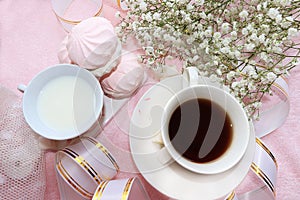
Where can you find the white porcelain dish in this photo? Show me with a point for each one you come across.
(173, 180)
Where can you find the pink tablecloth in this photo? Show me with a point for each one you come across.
(30, 36)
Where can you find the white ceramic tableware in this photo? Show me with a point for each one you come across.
(172, 179)
(239, 128)
(41, 97)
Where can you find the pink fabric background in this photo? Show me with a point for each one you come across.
(30, 36)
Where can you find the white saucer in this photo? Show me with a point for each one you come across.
(171, 179)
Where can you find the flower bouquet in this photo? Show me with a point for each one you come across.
(245, 45)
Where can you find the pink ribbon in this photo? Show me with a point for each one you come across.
(264, 164)
(85, 170)
(124, 189)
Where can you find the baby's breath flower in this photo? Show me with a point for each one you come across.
(230, 76)
(292, 32)
(143, 6)
(156, 16)
(265, 4)
(225, 27)
(271, 76)
(217, 35)
(241, 45)
(273, 13)
(249, 46)
(225, 50)
(244, 14)
(245, 31)
(200, 2)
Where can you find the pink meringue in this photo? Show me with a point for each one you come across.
(63, 55)
(127, 77)
(93, 45)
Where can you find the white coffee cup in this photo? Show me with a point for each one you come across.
(240, 127)
(36, 87)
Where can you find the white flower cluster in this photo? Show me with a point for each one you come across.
(245, 45)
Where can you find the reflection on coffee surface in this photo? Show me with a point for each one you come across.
(200, 130)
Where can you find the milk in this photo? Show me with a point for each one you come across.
(66, 103)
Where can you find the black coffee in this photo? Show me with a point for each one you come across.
(200, 130)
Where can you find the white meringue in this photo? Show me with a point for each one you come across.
(127, 77)
(93, 45)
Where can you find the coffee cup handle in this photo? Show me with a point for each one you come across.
(22, 88)
(193, 75)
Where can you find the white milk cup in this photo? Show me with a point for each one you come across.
(239, 119)
(36, 85)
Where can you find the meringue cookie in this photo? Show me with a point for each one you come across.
(63, 55)
(126, 78)
(111, 64)
(93, 45)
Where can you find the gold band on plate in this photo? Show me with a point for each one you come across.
(99, 192)
(105, 151)
(285, 78)
(72, 182)
(119, 3)
(81, 161)
(77, 22)
(264, 177)
(127, 188)
(277, 86)
(123, 4)
(231, 196)
(260, 143)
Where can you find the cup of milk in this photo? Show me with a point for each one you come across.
(62, 102)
